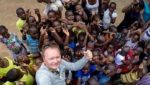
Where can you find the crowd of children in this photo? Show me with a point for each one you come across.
(121, 54)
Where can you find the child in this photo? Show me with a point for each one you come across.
(31, 21)
(20, 76)
(32, 39)
(84, 74)
(21, 14)
(69, 15)
(92, 81)
(5, 65)
(109, 16)
(12, 42)
(51, 17)
(80, 11)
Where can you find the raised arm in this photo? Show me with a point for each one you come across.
(80, 63)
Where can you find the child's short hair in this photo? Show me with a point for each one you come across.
(51, 11)
(2, 27)
(92, 79)
(18, 10)
(13, 75)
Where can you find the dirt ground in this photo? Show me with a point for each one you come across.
(8, 16)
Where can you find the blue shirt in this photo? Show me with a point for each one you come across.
(33, 44)
(85, 76)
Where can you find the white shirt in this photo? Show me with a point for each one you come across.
(145, 36)
(107, 19)
(118, 59)
(94, 7)
(53, 6)
(131, 44)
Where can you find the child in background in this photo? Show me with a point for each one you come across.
(80, 11)
(51, 17)
(31, 21)
(110, 16)
(84, 74)
(32, 39)
(22, 15)
(20, 76)
(92, 81)
(12, 42)
(5, 65)
(70, 19)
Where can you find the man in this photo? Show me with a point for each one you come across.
(52, 71)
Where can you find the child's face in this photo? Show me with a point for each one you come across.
(79, 9)
(21, 14)
(94, 33)
(93, 82)
(96, 57)
(4, 33)
(96, 21)
(86, 68)
(32, 21)
(112, 7)
(57, 26)
(90, 45)
(51, 16)
(70, 16)
(78, 54)
(78, 18)
(34, 33)
(110, 48)
(135, 38)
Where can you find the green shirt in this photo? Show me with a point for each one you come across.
(19, 24)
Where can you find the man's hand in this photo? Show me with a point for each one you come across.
(88, 54)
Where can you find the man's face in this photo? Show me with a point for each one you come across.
(52, 58)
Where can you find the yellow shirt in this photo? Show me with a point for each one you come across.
(9, 83)
(3, 71)
(28, 79)
(19, 24)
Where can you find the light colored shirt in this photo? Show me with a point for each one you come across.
(46, 77)
(92, 8)
(118, 59)
(107, 19)
(146, 35)
(131, 44)
(55, 5)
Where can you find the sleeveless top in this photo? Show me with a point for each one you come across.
(93, 7)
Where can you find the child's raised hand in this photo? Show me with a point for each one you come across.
(43, 31)
(28, 13)
(24, 31)
(80, 25)
(66, 31)
(37, 11)
(52, 30)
